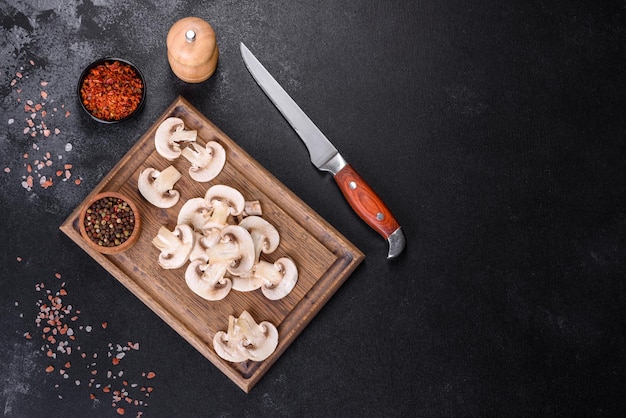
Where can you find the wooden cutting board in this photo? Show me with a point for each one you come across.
(324, 257)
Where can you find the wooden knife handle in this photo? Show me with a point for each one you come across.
(366, 202)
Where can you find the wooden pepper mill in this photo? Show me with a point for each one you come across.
(192, 49)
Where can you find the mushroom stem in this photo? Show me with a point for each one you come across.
(166, 179)
(220, 214)
(166, 240)
(224, 251)
(184, 135)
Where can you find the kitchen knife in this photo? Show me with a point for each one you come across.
(325, 157)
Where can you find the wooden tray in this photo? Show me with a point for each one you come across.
(324, 257)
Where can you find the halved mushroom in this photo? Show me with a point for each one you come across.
(208, 280)
(245, 339)
(276, 280)
(280, 278)
(252, 208)
(157, 187)
(235, 250)
(169, 135)
(175, 246)
(264, 235)
(194, 213)
(207, 162)
(224, 201)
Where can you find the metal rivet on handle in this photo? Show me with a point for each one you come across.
(352, 185)
(380, 216)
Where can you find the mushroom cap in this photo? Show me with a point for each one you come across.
(207, 162)
(163, 142)
(227, 349)
(264, 235)
(289, 276)
(260, 339)
(194, 212)
(245, 339)
(175, 246)
(198, 252)
(235, 248)
(225, 201)
(207, 281)
(157, 191)
(247, 282)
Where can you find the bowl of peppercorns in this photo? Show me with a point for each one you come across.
(110, 222)
(111, 90)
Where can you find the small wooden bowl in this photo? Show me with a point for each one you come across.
(129, 242)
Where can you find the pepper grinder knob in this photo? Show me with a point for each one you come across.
(192, 49)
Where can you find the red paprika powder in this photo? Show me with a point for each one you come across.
(111, 91)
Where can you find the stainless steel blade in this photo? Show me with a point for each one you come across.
(321, 150)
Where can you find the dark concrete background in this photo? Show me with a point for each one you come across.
(493, 131)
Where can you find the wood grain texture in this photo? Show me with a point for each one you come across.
(324, 257)
(366, 202)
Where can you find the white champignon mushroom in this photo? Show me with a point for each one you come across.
(224, 201)
(245, 339)
(235, 249)
(252, 207)
(264, 235)
(206, 162)
(279, 277)
(247, 282)
(169, 135)
(208, 280)
(175, 246)
(157, 187)
(194, 213)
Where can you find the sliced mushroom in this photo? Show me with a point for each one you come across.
(247, 282)
(252, 207)
(280, 278)
(208, 281)
(175, 246)
(235, 250)
(245, 339)
(224, 201)
(157, 187)
(207, 162)
(264, 235)
(194, 213)
(169, 135)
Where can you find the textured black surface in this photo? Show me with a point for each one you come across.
(493, 131)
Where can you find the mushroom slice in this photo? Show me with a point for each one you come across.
(208, 281)
(252, 207)
(194, 213)
(279, 278)
(264, 235)
(247, 282)
(175, 246)
(157, 187)
(224, 201)
(207, 162)
(235, 250)
(245, 339)
(169, 135)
